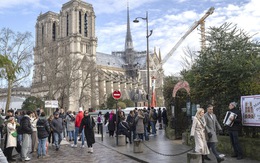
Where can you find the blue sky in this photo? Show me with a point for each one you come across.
(169, 20)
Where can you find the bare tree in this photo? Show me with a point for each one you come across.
(189, 58)
(59, 72)
(89, 76)
(18, 47)
(64, 73)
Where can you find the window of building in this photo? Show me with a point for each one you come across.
(67, 29)
(80, 22)
(42, 34)
(54, 31)
(86, 25)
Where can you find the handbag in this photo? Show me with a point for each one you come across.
(14, 134)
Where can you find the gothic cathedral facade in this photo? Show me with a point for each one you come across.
(67, 67)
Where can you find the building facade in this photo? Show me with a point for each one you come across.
(68, 68)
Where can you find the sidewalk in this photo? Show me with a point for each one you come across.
(159, 149)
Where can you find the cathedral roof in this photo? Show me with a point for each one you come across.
(109, 60)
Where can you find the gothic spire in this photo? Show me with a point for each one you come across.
(128, 39)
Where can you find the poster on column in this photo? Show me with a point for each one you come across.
(250, 109)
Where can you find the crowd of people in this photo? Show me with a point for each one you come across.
(204, 132)
(30, 132)
(139, 124)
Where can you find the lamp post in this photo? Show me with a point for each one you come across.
(147, 53)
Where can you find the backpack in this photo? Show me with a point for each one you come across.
(19, 129)
(4, 129)
(72, 118)
(146, 118)
(99, 119)
(154, 115)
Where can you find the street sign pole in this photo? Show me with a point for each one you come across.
(116, 95)
(116, 124)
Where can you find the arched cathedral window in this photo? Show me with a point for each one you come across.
(80, 22)
(54, 31)
(86, 25)
(42, 34)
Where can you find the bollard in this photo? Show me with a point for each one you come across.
(193, 157)
(138, 146)
(121, 140)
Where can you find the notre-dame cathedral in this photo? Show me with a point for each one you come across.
(68, 68)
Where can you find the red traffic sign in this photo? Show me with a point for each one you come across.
(116, 94)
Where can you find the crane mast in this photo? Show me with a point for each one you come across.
(195, 25)
(200, 22)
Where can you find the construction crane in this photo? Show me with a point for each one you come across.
(200, 22)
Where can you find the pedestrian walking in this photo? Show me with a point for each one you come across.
(78, 120)
(57, 126)
(89, 124)
(198, 133)
(212, 126)
(43, 131)
(234, 129)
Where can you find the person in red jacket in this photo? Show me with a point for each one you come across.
(78, 119)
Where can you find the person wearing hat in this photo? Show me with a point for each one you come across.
(234, 130)
(43, 131)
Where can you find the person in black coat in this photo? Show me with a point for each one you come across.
(123, 129)
(43, 131)
(131, 122)
(26, 131)
(112, 123)
(165, 119)
(234, 129)
(89, 124)
(160, 118)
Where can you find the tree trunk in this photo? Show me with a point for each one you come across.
(9, 93)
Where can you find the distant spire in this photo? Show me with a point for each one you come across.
(160, 56)
(128, 39)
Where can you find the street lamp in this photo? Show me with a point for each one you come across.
(147, 53)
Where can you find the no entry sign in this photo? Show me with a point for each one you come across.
(116, 94)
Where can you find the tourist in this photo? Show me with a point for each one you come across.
(89, 124)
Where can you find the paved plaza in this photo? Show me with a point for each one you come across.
(157, 149)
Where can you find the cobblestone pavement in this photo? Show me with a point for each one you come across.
(157, 149)
(66, 154)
